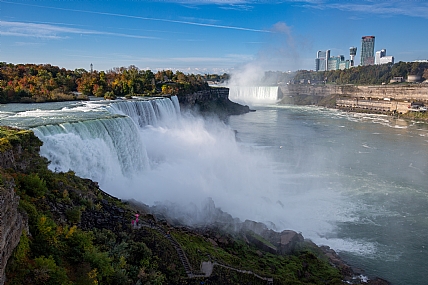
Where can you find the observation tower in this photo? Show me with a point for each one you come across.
(352, 54)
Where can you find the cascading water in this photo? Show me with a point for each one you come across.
(148, 112)
(108, 149)
(253, 94)
(97, 149)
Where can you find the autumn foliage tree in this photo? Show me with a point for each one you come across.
(44, 82)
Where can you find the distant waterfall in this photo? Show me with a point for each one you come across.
(253, 94)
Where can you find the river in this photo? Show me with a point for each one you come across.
(375, 167)
(354, 182)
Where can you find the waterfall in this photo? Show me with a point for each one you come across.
(109, 150)
(100, 149)
(132, 149)
(254, 94)
(155, 112)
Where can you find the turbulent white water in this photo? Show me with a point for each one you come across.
(253, 95)
(101, 149)
(149, 112)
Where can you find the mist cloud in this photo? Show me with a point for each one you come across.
(279, 53)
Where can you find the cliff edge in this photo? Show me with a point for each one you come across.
(13, 222)
(212, 101)
(12, 225)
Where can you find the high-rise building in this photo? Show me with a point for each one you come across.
(338, 62)
(381, 57)
(352, 54)
(367, 50)
(321, 62)
(379, 54)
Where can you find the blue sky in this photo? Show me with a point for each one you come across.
(206, 36)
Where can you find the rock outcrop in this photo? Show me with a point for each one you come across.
(15, 152)
(17, 149)
(213, 101)
(408, 92)
(12, 224)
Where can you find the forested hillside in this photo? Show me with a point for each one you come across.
(44, 82)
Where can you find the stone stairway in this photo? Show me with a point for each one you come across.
(268, 280)
(186, 264)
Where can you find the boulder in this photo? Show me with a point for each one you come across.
(288, 241)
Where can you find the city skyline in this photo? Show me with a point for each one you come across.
(205, 36)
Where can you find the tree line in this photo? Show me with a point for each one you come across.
(44, 82)
(365, 75)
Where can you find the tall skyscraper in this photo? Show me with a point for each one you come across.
(367, 50)
(321, 62)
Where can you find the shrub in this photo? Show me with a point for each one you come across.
(32, 185)
(74, 215)
(109, 95)
(46, 271)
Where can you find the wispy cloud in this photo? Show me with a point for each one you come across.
(49, 31)
(21, 29)
(216, 2)
(381, 7)
(147, 18)
(240, 5)
(26, 44)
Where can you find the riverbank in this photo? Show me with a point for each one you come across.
(347, 100)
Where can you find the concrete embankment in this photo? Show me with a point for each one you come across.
(377, 98)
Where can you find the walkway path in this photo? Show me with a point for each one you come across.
(207, 267)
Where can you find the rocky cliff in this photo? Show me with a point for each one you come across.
(12, 224)
(417, 92)
(213, 101)
(388, 99)
(13, 155)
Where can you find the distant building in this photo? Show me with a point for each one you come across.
(338, 62)
(382, 58)
(321, 62)
(414, 78)
(397, 79)
(379, 54)
(352, 54)
(345, 64)
(367, 50)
